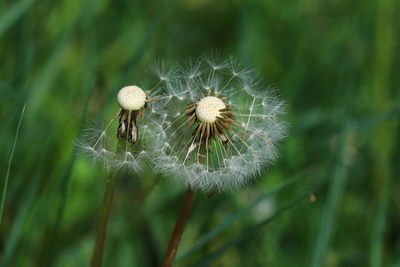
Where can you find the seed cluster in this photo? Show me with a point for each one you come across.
(206, 131)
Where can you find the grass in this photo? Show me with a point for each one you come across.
(334, 200)
(213, 256)
(237, 216)
(333, 62)
(7, 177)
(13, 14)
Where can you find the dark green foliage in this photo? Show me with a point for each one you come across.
(334, 62)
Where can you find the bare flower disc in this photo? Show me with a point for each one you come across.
(208, 109)
(131, 97)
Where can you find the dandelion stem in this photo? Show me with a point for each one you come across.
(97, 256)
(179, 227)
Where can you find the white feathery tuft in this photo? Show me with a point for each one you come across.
(101, 144)
(250, 145)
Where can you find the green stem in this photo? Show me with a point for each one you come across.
(97, 256)
(179, 228)
(103, 221)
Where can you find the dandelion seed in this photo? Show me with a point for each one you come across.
(223, 128)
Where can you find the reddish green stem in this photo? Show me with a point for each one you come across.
(179, 228)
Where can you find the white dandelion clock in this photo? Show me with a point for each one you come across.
(220, 128)
(124, 143)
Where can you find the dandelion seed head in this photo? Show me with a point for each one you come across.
(131, 98)
(223, 127)
(123, 143)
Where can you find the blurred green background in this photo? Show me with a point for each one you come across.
(336, 64)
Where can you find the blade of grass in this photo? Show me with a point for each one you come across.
(13, 238)
(63, 188)
(52, 246)
(16, 240)
(135, 60)
(43, 81)
(236, 216)
(383, 136)
(11, 15)
(39, 87)
(336, 192)
(12, 100)
(5, 185)
(243, 237)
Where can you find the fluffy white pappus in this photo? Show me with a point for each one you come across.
(163, 72)
(101, 143)
(234, 158)
(216, 61)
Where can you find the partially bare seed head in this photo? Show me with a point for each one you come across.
(135, 131)
(220, 128)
